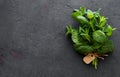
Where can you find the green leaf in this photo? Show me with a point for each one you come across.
(84, 49)
(86, 36)
(94, 22)
(78, 16)
(102, 18)
(106, 48)
(77, 13)
(102, 21)
(82, 20)
(83, 10)
(75, 10)
(114, 29)
(96, 45)
(75, 36)
(81, 30)
(109, 31)
(81, 43)
(97, 13)
(90, 14)
(69, 30)
(99, 36)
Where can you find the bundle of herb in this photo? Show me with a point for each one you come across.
(91, 37)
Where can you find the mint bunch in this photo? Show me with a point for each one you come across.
(92, 34)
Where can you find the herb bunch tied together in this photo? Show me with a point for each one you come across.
(91, 38)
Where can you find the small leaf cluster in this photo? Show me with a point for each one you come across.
(92, 33)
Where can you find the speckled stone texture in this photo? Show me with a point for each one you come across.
(33, 41)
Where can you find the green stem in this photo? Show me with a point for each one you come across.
(95, 63)
(92, 27)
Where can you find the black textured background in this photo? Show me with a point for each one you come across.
(33, 41)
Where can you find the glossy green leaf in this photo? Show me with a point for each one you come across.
(99, 36)
(96, 45)
(75, 14)
(84, 49)
(82, 19)
(75, 36)
(106, 48)
(78, 16)
(102, 21)
(75, 10)
(109, 31)
(83, 10)
(90, 14)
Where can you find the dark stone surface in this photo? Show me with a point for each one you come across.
(33, 42)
